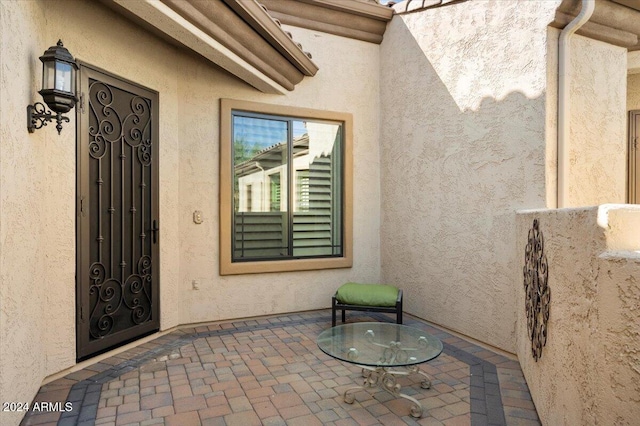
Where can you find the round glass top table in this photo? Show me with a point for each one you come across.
(384, 351)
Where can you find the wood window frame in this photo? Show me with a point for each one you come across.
(227, 266)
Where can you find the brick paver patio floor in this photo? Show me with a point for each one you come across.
(269, 371)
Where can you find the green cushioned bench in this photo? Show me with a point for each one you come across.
(367, 297)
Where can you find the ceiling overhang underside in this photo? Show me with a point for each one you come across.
(613, 21)
(246, 38)
(237, 35)
(364, 20)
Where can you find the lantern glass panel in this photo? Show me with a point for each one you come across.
(63, 76)
(48, 75)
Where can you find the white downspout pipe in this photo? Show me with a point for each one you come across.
(564, 110)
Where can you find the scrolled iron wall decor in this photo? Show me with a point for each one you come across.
(537, 291)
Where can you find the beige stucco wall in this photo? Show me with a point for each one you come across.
(588, 372)
(597, 147)
(37, 182)
(633, 62)
(25, 260)
(463, 146)
(347, 81)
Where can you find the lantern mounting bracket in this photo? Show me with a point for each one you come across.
(58, 89)
(38, 116)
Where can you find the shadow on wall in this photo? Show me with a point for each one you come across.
(452, 177)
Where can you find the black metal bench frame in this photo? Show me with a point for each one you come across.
(335, 305)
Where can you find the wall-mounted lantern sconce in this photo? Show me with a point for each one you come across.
(58, 88)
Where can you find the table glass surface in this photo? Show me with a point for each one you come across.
(379, 344)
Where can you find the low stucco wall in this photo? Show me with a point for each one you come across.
(588, 372)
(469, 148)
(38, 182)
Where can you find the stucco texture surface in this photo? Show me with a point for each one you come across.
(588, 372)
(597, 147)
(346, 82)
(38, 182)
(468, 151)
(25, 223)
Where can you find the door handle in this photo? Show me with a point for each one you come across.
(155, 230)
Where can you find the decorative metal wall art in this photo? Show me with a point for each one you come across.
(536, 288)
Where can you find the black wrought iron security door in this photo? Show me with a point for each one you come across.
(117, 267)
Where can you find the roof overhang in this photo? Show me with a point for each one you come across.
(633, 62)
(613, 21)
(237, 35)
(364, 20)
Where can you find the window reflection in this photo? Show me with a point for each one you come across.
(275, 219)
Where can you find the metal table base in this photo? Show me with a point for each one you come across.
(386, 378)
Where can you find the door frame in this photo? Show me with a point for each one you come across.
(84, 348)
(632, 173)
